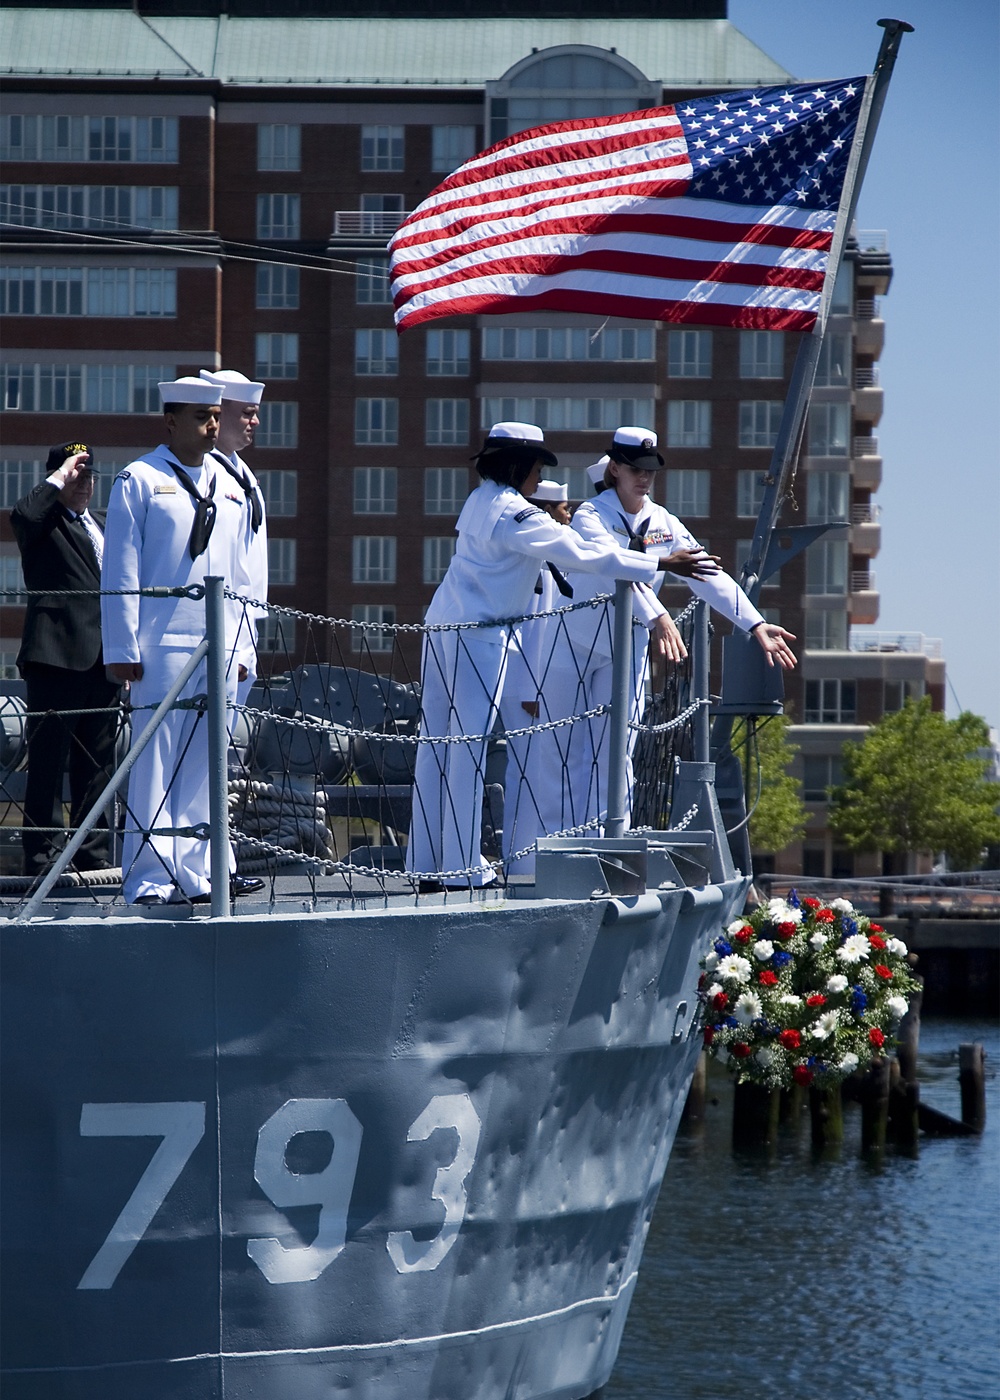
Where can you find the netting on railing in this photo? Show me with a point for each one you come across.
(355, 771)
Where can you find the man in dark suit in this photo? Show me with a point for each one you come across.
(61, 659)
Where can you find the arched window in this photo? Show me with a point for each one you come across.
(559, 84)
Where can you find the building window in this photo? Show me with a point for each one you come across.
(826, 567)
(826, 631)
(829, 429)
(842, 302)
(451, 145)
(382, 148)
(276, 635)
(11, 574)
(281, 562)
(579, 486)
(827, 496)
(609, 343)
(830, 702)
(88, 291)
(568, 415)
(376, 422)
(445, 490)
(277, 288)
(374, 490)
(689, 354)
(372, 285)
(373, 559)
(17, 477)
(750, 488)
(762, 354)
(688, 493)
(279, 425)
(446, 423)
(759, 423)
(111, 207)
(438, 551)
(820, 772)
(277, 356)
(280, 490)
(376, 352)
(834, 366)
(145, 140)
(89, 388)
(689, 423)
(896, 693)
(448, 352)
(377, 633)
(278, 216)
(279, 146)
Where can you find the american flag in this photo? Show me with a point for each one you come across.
(716, 211)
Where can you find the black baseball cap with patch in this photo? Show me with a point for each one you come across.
(58, 455)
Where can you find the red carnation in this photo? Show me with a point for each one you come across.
(811, 903)
(876, 1037)
(768, 978)
(708, 1035)
(743, 935)
(802, 1076)
(720, 1001)
(739, 1050)
(790, 1039)
(877, 942)
(876, 928)
(786, 930)
(816, 1000)
(825, 916)
(882, 971)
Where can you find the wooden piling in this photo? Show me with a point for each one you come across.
(755, 1116)
(875, 1105)
(694, 1104)
(904, 1109)
(908, 1035)
(826, 1115)
(972, 1081)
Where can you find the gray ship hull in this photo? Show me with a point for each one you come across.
(400, 1153)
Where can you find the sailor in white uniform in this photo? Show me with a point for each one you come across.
(579, 676)
(503, 542)
(240, 403)
(174, 517)
(532, 808)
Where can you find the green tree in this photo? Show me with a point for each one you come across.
(915, 784)
(779, 817)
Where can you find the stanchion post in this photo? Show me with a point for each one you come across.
(218, 744)
(621, 704)
(699, 674)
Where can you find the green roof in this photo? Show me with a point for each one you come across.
(338, 52)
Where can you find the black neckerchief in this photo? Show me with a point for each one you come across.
(561, 583)
(636, 538)
(205, 511)
(253, 499)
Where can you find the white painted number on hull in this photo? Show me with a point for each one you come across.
(455, 1112)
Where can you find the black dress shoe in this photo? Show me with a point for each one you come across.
(149, 900)
(430, 887)
(244, 884)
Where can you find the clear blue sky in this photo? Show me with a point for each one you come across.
(933, 184)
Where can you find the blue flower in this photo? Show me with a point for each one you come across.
(779, 958)
(859, 1000)
(793, 899)
(849, 926)
(722, 947)
(729, 1021)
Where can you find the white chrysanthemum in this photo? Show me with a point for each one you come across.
(779, 911)
(854, 950)
(849, 1063)
(843, 905)
(897, 947)
(735, 926)
(765, 1056)
(790, 999)
(711, 960)
(836, 983)
(763, 949)
(897, 1006)
(733, 968)
(748, 1008)
(714, 990)
(817, 940)
(825, 1026)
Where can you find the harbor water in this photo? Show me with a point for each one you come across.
(825, 1279)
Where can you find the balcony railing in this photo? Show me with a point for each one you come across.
(865, 447)
(872, 240)
(868, 309)
(367, 223)
(914, 642)
(866, 377)
(866, 514)
(862, 581)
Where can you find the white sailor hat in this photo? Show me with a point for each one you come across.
(597, 469)
(188, 389)
(234, 385)
(550, 491)
(636, 447)
(525, 436)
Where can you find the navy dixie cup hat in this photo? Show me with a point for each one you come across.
(58, 455)
(635, 447)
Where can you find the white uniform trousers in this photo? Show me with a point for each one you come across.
(533, 790)
(462, 676)
(168, 787)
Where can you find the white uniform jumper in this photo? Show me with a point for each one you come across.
(503, 543)
(250, 579)
(149, 521)
(579, 676)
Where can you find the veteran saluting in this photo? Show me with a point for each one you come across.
(174, 517)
